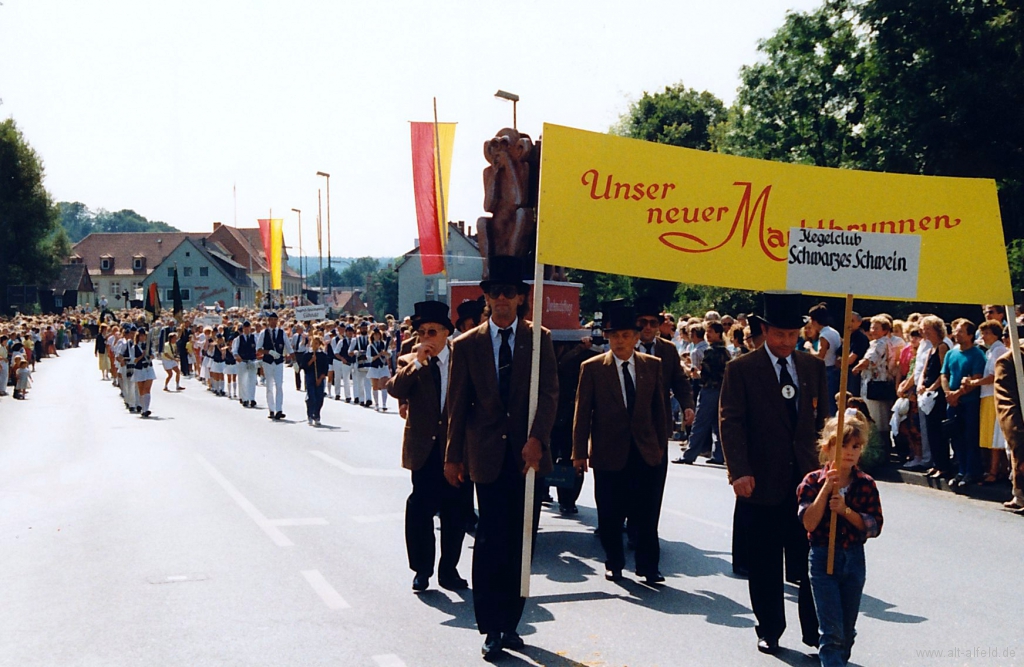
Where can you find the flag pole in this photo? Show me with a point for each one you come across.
(531, 474)
(443, 222)
(844, 377)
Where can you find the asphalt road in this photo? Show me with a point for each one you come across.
(208, 535)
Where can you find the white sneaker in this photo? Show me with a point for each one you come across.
(316, 422)
(309, 421)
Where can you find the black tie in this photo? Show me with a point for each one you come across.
(788, 388)
(649, 347)
(504, 365)
(435, 372)
(627, 379)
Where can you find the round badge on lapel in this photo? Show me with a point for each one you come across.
(788, 391)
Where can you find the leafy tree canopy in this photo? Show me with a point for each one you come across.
(78, 221)
(32, 243)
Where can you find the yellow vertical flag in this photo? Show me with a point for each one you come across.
(272, 235)
(444, 144)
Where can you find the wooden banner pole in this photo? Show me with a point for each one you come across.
(837, 461)
(531, 475)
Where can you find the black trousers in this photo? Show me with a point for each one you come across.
(432, 494)
(298, 380)
(497, 554)
(774, 531)
(634, 493)
(561, 450)
(314, 399)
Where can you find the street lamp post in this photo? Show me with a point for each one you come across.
(513, 98)
(328, 177)
(302, 271)
(320, 242)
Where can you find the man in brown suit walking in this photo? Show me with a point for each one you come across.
(620, 428)
(1009, 413)
(422, 382)
(773, 405)
(489, 438)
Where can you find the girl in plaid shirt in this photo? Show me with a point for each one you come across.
(853, 496)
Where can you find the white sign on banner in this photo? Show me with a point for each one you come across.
(824, 261)
(209, 320)
(309, 313)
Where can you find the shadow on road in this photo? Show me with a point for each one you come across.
(880, 609)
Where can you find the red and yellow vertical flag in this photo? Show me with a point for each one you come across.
(272, 235)
(432, 145)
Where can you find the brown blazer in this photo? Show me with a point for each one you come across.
(757, 437)
(427, 423)
(1008, 403)
(672, 377)
(479, 426)
(602, 421)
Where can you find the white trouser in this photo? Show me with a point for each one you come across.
(5, 375)
(342, 378)
(247, 380)
(274, 374)
(362, 384)
(128, 388)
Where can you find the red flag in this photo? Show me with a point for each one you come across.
(431, 165)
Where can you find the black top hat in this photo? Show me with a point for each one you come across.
(783, 310)
(470, 310)
(431, 311)
(247, 323)
(618, 315)
(647, 306)
(504, 270)
(756, 325)
(271, 314)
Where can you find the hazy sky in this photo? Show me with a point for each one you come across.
(163, 107)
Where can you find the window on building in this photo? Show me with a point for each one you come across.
(204, 271)
(104, 265)
(115, 287)
(170, 272)
(186, 294)
(137, 263)
(188, 271)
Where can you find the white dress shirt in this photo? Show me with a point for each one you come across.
(496, 339)
(622, 380)
(790, 365)
(442, 363)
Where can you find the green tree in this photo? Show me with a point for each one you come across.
(354, 275)
(331, 278)
(77, 220)
(33, 245)
(678, 116)
(382, 294)
(127, 220)
(805, 102)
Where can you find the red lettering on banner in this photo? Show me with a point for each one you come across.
(747, 214)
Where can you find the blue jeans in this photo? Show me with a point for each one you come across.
(837, 601)
(966, 417)
(704, 433)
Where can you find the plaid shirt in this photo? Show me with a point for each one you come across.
(861, 497)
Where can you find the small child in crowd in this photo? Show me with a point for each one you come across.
(841, 488)
(24, 378)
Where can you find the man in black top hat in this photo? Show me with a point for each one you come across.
(422, 382)
(620, 430)
(470, 314)
(491, 439)
(774, 402)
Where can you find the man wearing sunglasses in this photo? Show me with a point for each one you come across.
(421, 381)
(491, 441)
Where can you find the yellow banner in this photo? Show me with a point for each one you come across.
(276, 245)
(444, 144)
(644, 209)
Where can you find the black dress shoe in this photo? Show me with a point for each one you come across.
(652, 578)
(279, 415)
(512, 641)
(613, 575)
(492, 646)
(769, 646)
(271, 416)
(810, 641)
(452, 581)
(420, 582)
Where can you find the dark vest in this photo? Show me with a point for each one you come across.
(247, 347)
(277, 344)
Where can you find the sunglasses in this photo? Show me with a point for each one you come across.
(427, 333)
(507, 291)
(648, 322)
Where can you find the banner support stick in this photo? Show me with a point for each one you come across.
(531, 474)
(844, 378)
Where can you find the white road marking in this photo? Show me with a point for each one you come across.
(180, 577)
(352, 470)
(389, 660)
(697, 519)
(325, 590)
(377, 518)
(269, 526)
(298, 522)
